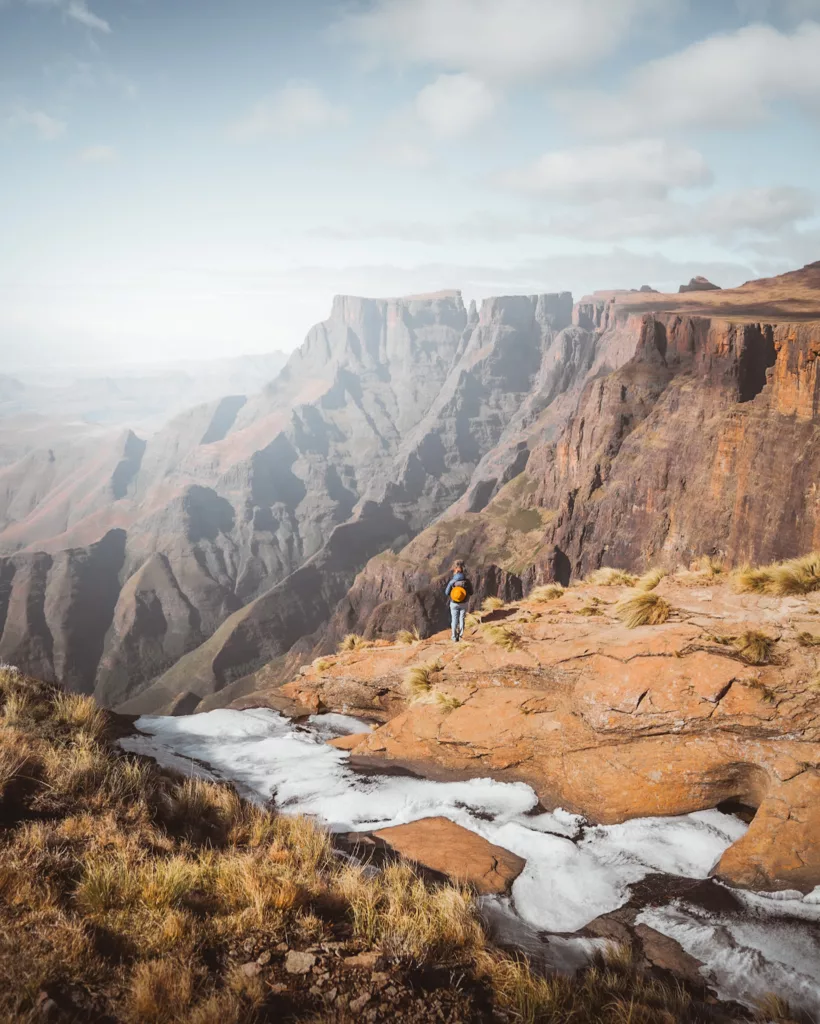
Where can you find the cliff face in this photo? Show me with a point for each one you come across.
(376, 424)
(692, 434)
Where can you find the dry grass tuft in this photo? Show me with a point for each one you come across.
(354, 642)
(798, 576)
(323, 664)
(644, 609)
(774, 1010)
(651, 579)
(447, 702)
(79, 712)
(710, 566)
(161, 991)
(550, 592)
(408, 636)
(754, 647)
(808, 640)
(502, 636)
(419, 679)
(492, 604)
(608, 577)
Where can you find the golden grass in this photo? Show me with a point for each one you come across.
(754, 647)
(711, 566)
(591, 608)
(502, 636)
(83, 713)
(795, 577)
(492, 604)
(418, 680)
(644, 609)
(651, 579)
(408, 636)
(354, 642)
(139, 892)
(550, 592)
(323, 664)
(608, 577)
(447, 702)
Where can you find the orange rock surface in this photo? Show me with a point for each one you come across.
(616, 723)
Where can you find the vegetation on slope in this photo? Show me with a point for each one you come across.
(129, 894)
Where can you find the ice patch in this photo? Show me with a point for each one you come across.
(771, 948)
(574, 872)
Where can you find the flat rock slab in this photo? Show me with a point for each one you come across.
(348, 742)
(443, 846)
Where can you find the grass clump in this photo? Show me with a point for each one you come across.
(651, 579)
(608, 577)
(795, 577)
(502, 636)
(644, 609)
(447, 702)
(492, 604)
(808, 640)
(408, 636)
(543, 595)
(419, 680)
(354, 642)
(754, 647)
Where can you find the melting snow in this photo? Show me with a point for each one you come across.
(574, 873)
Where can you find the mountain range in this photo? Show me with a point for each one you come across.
(536, 437)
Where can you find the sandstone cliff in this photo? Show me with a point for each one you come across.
(704, 437)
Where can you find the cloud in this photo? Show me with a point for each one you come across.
(47, 128)
(100, 154)
(726, 81)
(77, 10)
(743, 215)
(498, 40)
(407, 154)
(296, 107)
(454, 105)
(726, 218)
(646, 167)
(796, 10)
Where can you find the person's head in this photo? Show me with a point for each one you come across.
(458, 566)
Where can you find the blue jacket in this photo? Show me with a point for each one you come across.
(459, 577)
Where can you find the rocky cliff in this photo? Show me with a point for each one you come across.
(696, 433)
(372, 430)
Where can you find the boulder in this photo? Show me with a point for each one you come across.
(441, 845)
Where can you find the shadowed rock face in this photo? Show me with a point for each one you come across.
(374, 427)
(704, 438)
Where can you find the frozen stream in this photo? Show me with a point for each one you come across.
(574, 872)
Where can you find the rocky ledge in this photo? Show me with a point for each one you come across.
(718, 706)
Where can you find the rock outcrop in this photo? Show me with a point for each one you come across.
(615, 723)
(698, 284)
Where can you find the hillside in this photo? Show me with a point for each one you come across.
(135, 894)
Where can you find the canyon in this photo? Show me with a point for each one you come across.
(535, 437)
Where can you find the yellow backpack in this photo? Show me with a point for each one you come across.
(458, 594)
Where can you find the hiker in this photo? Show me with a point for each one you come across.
(459, 590)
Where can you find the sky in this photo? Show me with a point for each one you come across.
(197, 178)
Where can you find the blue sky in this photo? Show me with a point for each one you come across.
(194, 178)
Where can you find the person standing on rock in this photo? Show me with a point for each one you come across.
(459, 591)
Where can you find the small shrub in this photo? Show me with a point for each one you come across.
(323, 664)
(651, 579)
(408, 636)
(419, 679)
(354, 642)
(492, 604)
(542, 595)
(644, 609)
(711, 566)
(808, 640)
(608, 577)
(502, 636)
(754, 647)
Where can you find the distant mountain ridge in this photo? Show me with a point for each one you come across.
(533, 436)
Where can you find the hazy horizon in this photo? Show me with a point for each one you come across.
(194, 181)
